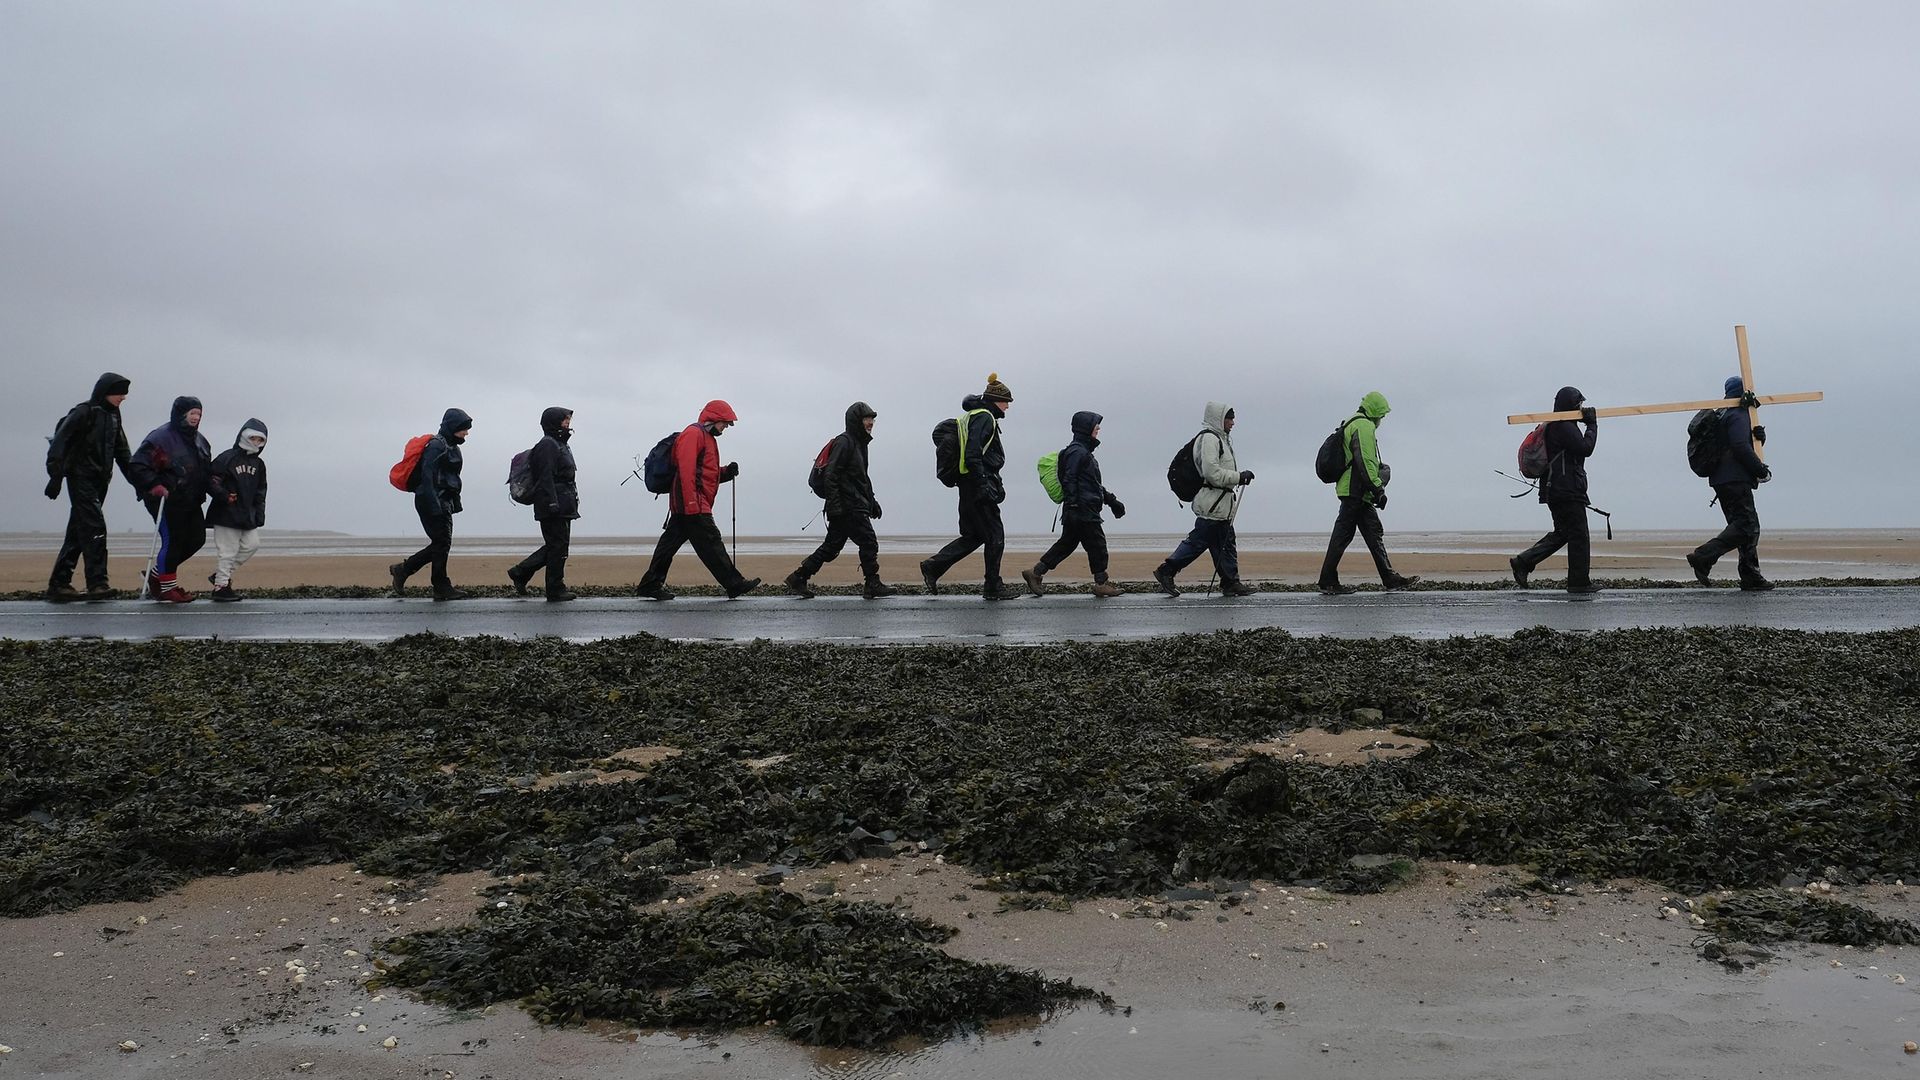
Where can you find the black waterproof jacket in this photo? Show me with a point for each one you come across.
(437, 494)
(242, 473)
(175, 456)
(1082, 497)
(986, 455)
(1740, 466)
(1568, 449)
(91, 441)
(848, 483)
(556, 497)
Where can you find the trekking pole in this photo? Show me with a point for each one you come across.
(147, 574)
(736, 519)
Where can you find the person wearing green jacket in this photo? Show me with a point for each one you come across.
(1363, 494)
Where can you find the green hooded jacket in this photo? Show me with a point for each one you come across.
(1362, 446)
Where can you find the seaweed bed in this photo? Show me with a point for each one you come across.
(1702, 759)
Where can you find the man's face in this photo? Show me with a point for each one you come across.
(868, 424)
(115, 399)
(1228, 425)
(1005, 405)
(193, 418)
(720, 427)
(566, 423)
(1096, 431)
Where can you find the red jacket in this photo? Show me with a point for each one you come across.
(696, 462)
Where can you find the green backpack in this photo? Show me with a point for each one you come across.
(1049, 465)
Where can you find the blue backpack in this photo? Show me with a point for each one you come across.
(657, 472)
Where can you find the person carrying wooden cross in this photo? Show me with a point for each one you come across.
(1739, 472)
(1564, 490)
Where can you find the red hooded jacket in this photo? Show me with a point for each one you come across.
(696, 462)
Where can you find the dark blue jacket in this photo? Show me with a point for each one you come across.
(556, 496)
(175, 456)
(1568, 449)
(1740, 465)
(239, 471)
(1082, 497)
(438, 492)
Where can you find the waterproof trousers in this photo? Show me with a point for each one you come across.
(439, 530)
(183, 531)
(1742, 532)
(979, 528)
(235, 547)
(86, 537)
(1209, 536)
(1570, 532)
(556, 540)
(703, 533)
(840, 529)
(1356, 514)
(1090, 535)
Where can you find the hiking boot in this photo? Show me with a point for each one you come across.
(1519, 572)
(398, 571)
(1164, 578)
(876, 589)
(173, 594)
(224, 594)
(1399, 581)
(1334, 588)
(564, 596)
(1583, 590)
(797, 586)
(97, 593)
(1702, 569)
(62, 594)
(999, 590)
(1032, 578)
(655, 591)
(1105, 589)
(1237, 588)
(519, 578)
(929, 578)
(742, 588)
(444, 593)
(1756, 585)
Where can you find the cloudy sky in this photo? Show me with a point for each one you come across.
(345, 217)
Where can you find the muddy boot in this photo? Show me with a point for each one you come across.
(1399, 581)
(564, 596)
(929, 578)
(1032, 578)
(876, 589)
(999, 590)
(398, 571)
(447, 592)
(1334, 588)
(797, 586)
(62, 594)
(1105, 589)
(1163, 576)
(97, 593)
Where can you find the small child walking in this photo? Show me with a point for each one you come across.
(238, 484)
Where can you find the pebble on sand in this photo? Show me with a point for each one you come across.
(129, 1046)
(390, 1042)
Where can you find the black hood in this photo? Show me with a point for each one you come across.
(551, 420)
(454, 420)
(253, 423)
(1083, 425)
(857, 414)
(1568, 399)
(181, 407)
(109, 383)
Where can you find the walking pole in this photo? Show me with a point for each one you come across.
(146, 575)
(736, 520)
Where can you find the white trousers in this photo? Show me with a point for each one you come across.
(235, 546)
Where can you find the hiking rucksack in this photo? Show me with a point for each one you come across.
(1534, 459)
(950, 448)
(1183, 475)
(1330, 462)
(405, 473)
(1049, 465)
(657, 471)
(817, 476)
(520, 478)
(59, 440)
(1706, 441)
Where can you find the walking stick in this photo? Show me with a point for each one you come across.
(152, 568)
(736, 520)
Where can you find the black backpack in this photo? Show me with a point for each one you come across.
(1330, 463)
(817, 476)
(1183, 476)
(946, 452)
(1706, 441)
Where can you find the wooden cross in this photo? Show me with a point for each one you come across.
(1746, 377)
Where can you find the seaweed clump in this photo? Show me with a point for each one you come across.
(1768, 915)
(825, 972)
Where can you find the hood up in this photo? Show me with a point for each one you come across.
(253, 426)
(1375, 406)
(454, 420)
(1568, 399)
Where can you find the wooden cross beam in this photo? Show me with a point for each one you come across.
(1746, 377)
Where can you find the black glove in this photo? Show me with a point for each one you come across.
(1766, 475)
(1749, 400)
(1386, 474)
(1759, 434)
(873, 509)
(1589, 416)
(1119, 508)
(53, 488)
(1379, 500)
(1246, 476)
(732, 470)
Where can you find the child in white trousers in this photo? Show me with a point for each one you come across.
(238, 485)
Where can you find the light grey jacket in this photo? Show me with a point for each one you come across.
(1213, 456)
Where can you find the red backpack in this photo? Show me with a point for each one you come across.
(817, 476)
(405, 472)
(1533, 453)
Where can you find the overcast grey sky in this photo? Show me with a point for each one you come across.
(345, 217)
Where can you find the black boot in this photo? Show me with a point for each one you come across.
(62, 594)
(929, 577)
(1164, 578)
(519, 578)
(398, 571)
(742, 587)
(796, 584)
(999, 590)
(876, 589)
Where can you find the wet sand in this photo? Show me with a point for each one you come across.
(1440, 979)
(25, 561)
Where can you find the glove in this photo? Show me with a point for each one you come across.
(1379, 500)
(1119, 508)
(157, 491)
(873, 510)
(1749, 400)
(1766, 475)
(1760, 434)
(1589, 416)
(732, 470)
(1246, 476)
(53, 488)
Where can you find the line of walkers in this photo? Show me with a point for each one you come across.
(187, 490)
